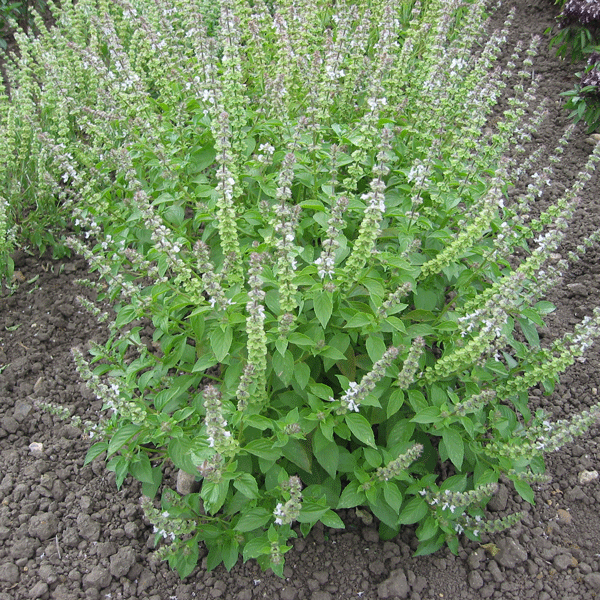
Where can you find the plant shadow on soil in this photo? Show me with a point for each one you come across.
(68, 533)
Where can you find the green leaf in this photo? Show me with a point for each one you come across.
(284, 366)
(332, 353)
(326, 452)
(455, 446)
(413, 511)
(320, 390)
(230, 552)
(256, 547)
(395, 402)
(384, 512)
(149, 489)
(253, 519)
(323, 307)
(352, 496)
(430, 546)
(427, 528)
(431, 414)
(174, 214)
(141, 468)
(311, 512)
(120, 466)
(375, 348)
(121, 437)
(302, 375)
(202, 159)
(544, 307)
(259, 422)
(420, 330)
(296, 452)
(524, 490)
(299, 339)
(96, 450)
(532, 315)
(361, 428)
(392, 496)
(220, 342)
(204, 362)
(331, 519)
(417, 400)
(373, 457)
(215, 556)
(214, 495)
(529, 331)
(179, 452)
(184, 562)
(246, 484)
(425, 299)
(125, 315)
(359, 320)
(263, 448)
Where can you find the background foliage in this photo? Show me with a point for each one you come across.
(576, 35)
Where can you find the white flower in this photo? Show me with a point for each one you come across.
(326, 266)
(279, 514)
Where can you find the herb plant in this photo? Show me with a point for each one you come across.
(308, 237)
(577, 35)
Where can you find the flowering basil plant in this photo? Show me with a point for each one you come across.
(308, 238)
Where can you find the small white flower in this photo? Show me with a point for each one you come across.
(279, 514)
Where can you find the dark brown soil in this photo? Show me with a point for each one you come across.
(66, 532)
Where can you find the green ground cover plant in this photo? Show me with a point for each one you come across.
(577, 36)
(306, 229)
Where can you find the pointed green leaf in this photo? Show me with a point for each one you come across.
(296, 452)
(351, 496)
(95, 451)
(392, 496)
(361, 428)
(524, 490)
(331, 519)
(375, 348)
(263, 449)
(214, 495)
(121, 437)
(326, 452)
(323, 307)
(257, 547)
(220, 342)
(302, 375)
(455, 446)
(246, 484)
(431, 414)
(413, 511)
(395, 402)
(284, 366)
(384, 512)
(141, 468)
(253, 519)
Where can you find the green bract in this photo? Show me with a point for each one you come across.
(308, 236)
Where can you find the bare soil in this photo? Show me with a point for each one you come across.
(67, 533)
